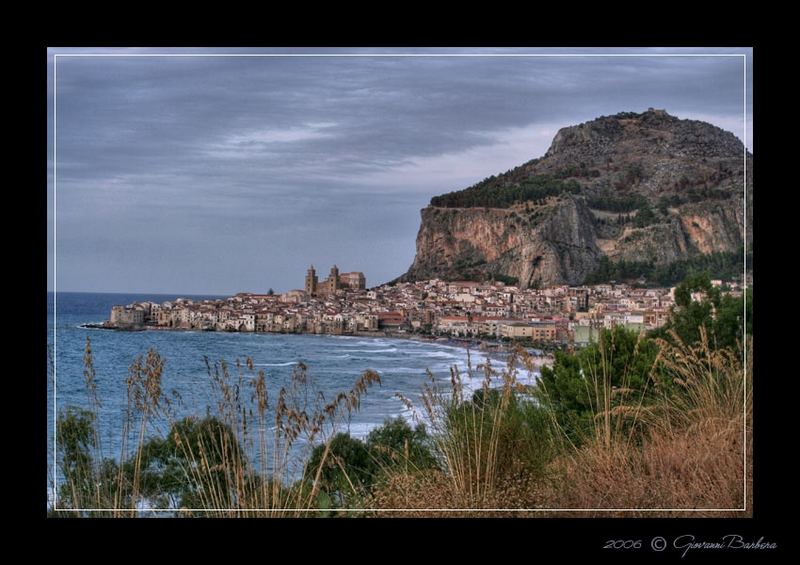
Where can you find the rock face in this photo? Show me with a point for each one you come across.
(643, 187)
(558, 245)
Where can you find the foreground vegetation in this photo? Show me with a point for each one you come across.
(631, 425)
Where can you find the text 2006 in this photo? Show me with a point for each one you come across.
(623, 544)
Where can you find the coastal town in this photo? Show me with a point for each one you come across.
(343, 305)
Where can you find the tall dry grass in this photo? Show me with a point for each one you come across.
(692, 453)
(493, 446)
(235, 464)
(298, 414)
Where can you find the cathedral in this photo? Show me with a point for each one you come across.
(334, 282)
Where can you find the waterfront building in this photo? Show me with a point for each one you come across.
(122, 316)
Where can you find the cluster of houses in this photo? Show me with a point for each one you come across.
(461, 309)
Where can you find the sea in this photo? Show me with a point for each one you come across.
(333, 364)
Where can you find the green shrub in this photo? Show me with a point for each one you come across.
(606, 375)
(395, 443)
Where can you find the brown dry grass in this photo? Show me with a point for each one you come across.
(692, 455)
(489, 458)
(434, 494)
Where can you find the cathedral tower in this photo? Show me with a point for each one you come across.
(334, 279)
(311, 281)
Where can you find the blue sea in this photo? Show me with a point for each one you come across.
(334, 363)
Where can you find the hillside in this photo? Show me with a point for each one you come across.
(648, 190)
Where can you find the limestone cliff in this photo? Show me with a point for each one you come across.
(643, 187)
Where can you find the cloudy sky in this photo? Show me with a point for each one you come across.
(213, 175)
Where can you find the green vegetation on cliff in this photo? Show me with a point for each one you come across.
(492, 192)
(614, 203)
(718, 266)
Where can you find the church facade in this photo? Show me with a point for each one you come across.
(335, 281)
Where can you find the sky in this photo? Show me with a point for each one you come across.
(216, 175)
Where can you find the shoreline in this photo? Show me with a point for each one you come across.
(491, 348)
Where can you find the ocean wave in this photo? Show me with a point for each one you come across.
(403, 370)
(387, 350)
(275, 364)
(439, 355)
(439, 367)
(365, 343)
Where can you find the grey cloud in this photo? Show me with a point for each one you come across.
(261, 162)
